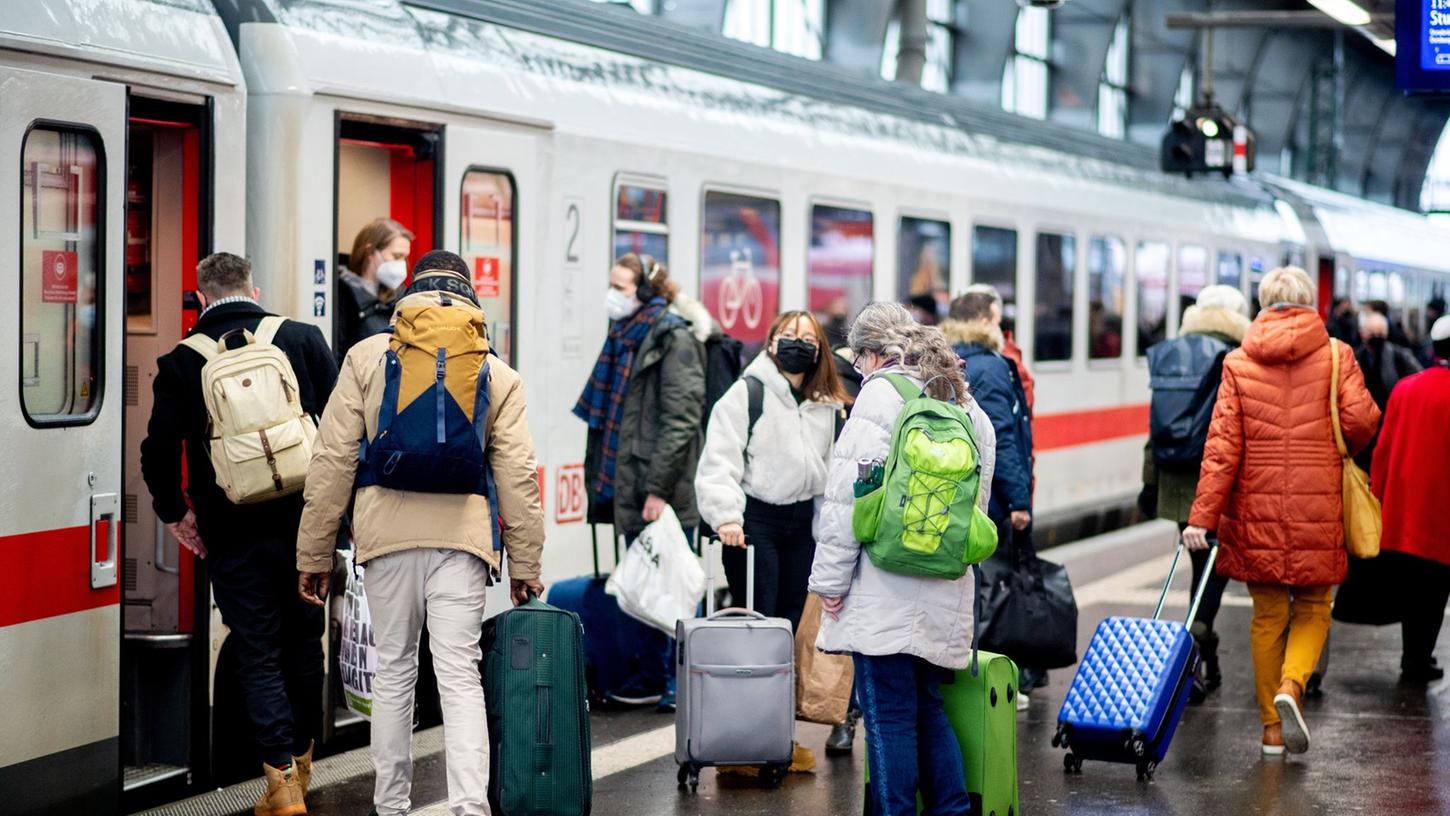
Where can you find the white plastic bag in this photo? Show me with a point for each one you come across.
(659, 580)
(358, 659)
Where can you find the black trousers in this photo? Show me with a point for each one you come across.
(1426, 586)
(1213, 594)
(784, 551)
(278, 637)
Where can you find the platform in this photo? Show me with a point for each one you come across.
(1379, 748)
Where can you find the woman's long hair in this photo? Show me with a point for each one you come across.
(888, 330)
(659, 277)
(821, 382)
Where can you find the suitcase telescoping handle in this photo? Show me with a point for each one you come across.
(1202, 583)
(749, 608)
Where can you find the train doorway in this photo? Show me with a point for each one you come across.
(165, 654)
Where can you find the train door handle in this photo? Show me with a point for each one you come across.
(159, 558)
(104, 507)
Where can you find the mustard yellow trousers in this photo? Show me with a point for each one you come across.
(1288, 631)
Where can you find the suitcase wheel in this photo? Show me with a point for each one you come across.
(774, 775)
(688, 774)
(1071, 763)
(1059, 738)
(1145, 770)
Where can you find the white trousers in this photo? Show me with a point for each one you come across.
(449, 586)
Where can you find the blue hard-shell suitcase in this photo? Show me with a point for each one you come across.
(1131, 687)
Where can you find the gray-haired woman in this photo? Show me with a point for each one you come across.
(906, 634)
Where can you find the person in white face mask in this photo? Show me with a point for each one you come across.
(365, 292)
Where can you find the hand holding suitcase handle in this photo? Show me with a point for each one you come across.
(1202, 584)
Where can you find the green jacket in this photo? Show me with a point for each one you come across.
(1177, 488)
(661, 430)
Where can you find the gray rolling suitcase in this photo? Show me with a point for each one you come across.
(736, 685)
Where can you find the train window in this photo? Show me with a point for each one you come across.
(1257, 270)
(486, 238)
(1056, 262)
(994, 261)
(640, 223)
(838, 265)
(1107, 273)
(1230, 270)
(740, 264)
(1192, 274)
(1151, 266)
(923, 265)
(61, 261)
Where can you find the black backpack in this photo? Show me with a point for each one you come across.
(1184, 374)
(723, 365)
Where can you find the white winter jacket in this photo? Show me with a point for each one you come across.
(789, 455)
(888, 613)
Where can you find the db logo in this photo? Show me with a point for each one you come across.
(60, 267)
(569, 491)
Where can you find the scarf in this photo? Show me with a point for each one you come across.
(602, 403)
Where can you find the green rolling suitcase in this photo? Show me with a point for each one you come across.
(982, 708)
(538, 712)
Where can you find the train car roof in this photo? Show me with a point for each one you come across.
(1372, 232)
(182, 38)
(568, 62)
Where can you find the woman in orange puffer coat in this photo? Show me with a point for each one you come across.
(1270, 485)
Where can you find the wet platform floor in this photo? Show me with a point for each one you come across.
(1378, 747)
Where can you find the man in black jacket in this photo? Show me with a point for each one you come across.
(250, 550)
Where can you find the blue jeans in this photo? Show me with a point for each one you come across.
(910, 743)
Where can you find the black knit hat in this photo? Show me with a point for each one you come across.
(442, 271)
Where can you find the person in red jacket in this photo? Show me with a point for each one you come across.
(1411, 477)
(1270, 485)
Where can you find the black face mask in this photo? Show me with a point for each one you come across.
(794, 356)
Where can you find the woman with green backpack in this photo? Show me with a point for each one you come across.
(892, 572)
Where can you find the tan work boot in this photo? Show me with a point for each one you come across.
(1273, 740)
(283, 796)
(303, 764)
(1288, 702)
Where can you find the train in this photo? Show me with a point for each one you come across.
(137, 136)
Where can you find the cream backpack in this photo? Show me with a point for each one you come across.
(261, 437)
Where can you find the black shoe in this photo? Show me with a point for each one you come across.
(1314, 689)
(1207, 640)
(842, 739)
(1421, 675)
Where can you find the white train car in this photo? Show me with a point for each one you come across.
(122, 154)
(538, 159)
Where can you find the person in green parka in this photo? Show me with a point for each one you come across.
(1220, 313)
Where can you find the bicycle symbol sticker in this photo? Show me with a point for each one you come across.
(740, 293)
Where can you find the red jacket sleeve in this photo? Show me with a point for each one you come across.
(1222, 454)
(1358, 415)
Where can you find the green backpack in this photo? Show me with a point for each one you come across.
(924, 519)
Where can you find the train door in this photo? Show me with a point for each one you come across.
(62, 160)
(164, 652)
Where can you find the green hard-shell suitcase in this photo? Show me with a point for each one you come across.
(982, 708)
(538, 712)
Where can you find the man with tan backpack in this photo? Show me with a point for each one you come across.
(241, 394)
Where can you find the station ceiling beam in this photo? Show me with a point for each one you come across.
(1081, 33)
(856, 33)
(708, 15)
(1260, 18)
(983, 46)
(1158, 56)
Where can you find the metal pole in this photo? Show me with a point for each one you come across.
(911, 50)
(1206, 87)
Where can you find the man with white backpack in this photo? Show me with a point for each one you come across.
(240, 395)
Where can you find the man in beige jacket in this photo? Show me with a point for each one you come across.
(428, 555)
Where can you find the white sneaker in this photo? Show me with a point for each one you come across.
(1023, 701)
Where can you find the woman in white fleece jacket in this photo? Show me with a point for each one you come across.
(759, 485)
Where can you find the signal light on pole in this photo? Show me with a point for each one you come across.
(1207, 140)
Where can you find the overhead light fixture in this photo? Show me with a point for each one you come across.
(1345, 11)
(1387, 44)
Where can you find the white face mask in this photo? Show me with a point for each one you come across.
(392, 273)
(618, 305)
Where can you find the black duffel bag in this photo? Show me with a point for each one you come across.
(1373, 592)
(1025, 606)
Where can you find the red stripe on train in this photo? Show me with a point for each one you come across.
(47, 573)
(1067, 430)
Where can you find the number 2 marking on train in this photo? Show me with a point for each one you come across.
(571, 215)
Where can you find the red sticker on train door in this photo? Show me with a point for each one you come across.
(569, 495)
(58, 279)
(485, 277)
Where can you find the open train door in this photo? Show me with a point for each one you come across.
(63, 294)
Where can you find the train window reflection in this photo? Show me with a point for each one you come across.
(61, 292)
(994, 261)
(923, 266)
(1151, 265)
(838, 266)
(1230, 270)
(640, 222)
(1052, 310)
(486, 238)
(1257, 270)
(1107, 272)
(1192, 274)
(740, 264)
